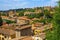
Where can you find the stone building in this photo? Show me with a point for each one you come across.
(22, 20)
(12, 13)
(23, 31)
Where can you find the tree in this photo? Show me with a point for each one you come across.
(39, 15)
(40, 21)
(31, 10)
(21, 14)
(9, 21)
(48, 16)
(55, 33)
(3, 14)
(30, 16)
(1, 21)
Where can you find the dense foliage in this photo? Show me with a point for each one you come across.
(3, 14)
(21, 14)
(9, 21)
(55, 33)
(1, 21)
(34, 15)
(41, 21)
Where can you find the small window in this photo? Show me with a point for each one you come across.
(2, 38)
(37, 39)
(5, 36)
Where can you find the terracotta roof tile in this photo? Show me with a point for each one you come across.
(23, 27)
(6, 31)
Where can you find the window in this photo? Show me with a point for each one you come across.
(37, 39)
(5, 36)
(2, 38)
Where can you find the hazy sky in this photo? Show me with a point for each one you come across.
(13, 4)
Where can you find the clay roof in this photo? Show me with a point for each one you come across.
(23, 18)
(23, 27)
(8, 26)
(4, 17)
(38, 24)
(6, 31)
(31, 37)
(14, 27)
(45, 27)
(26, 38)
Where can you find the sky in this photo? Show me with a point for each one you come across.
(15, 4)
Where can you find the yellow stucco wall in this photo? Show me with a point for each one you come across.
(7, 37)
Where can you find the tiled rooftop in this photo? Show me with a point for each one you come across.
(23, 27)
(6, 31)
